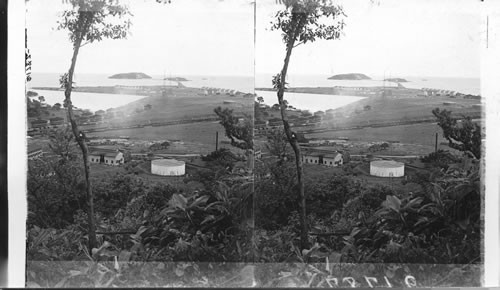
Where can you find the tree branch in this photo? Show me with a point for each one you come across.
(298, 44)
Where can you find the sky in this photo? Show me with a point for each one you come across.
(216, 37)
(187, 37)
(391, 37)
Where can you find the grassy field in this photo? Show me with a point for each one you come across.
(201, 135)
(418, 134)
(182, 103)
(385, 109)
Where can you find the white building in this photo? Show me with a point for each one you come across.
(333, 160)
(387, 168)
(168, 167)
(311, 158)
(114, 159)
(108, 157)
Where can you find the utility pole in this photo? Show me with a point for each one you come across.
(216, 140)
(436, 144)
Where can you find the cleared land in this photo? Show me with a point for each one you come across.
(387, 109)
(423, 134)
(198, 137)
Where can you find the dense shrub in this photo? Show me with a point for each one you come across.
(112, 195)
(326, 197)
(441, 159)
(55, 190)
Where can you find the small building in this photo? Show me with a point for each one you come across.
(115, 159)
(317, 142)
(333, 160)
(312, 158)
(423, 93)
(258, 154)
(106, 156)
(335, 141)
(34, 153)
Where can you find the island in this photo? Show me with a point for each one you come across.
(396, 80)
(131, 75)
(351, 76)
(176, 79)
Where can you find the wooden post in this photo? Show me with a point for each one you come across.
(216, 140)
(436, 145)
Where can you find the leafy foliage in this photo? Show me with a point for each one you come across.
(441, 159)
(62, 144)
(114, 193)
(55, 191)
(278, 145)
(90, 20)
(240, 132)
(462, 134)
(274, 203)
(222, 158)
(426, 227)
(304, 20)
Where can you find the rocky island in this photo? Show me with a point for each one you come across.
(131, 76)
(351, 76)
(176, 79)
(396, 80)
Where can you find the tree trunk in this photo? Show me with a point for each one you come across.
(293, 139)
(80, 138)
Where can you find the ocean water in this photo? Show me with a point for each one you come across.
(462, 85)
(95, 101)
(311, 102)
(245, 84)
(240, 83)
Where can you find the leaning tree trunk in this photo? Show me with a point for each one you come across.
(290, 136)
(80, 137)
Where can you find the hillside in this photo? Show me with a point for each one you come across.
(176, 79)
(350, 76)
(131, 75)
(396, 80)
(181, 103)
(374, 110)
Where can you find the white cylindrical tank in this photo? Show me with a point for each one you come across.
(387, 168)
(168, 167)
